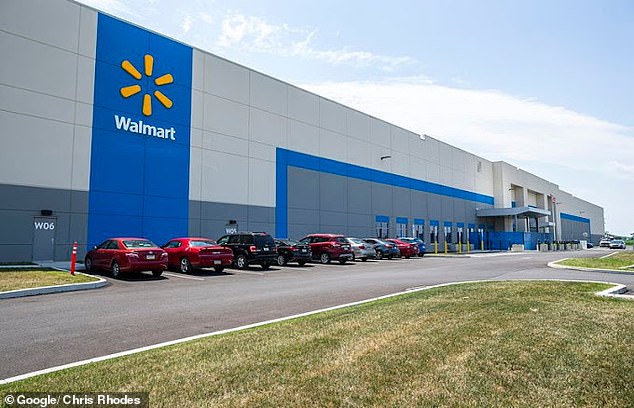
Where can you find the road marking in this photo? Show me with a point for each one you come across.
(608, 292)
(247, 272)
(608, 255)
(182, 276)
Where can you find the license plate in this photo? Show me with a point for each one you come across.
(266, 249)
(304, 250)
(216, 262)
(150, 257)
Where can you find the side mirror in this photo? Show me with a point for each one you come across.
(94, 247)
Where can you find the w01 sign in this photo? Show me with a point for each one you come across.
(44, 225)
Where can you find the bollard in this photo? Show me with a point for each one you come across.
(445, 247)
(436, 247)
(73, 259)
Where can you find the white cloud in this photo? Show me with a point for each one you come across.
(188, 21)
(254, 34)
(586, 156)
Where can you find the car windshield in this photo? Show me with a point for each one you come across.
(340, 239)
(138, 243)
(356, 240)
(201, 243)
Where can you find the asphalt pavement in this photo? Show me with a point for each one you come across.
(39, 332)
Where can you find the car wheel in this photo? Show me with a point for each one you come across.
(364, 259)
(324, 258)
(390, 256)
(116, 271)
(379, 254)
(281, 260)
(88, 264)
(219, 269)
(186, 266)
(265, 265)
(241, 262)
(342, 261)
(157, 273)
(301, 263)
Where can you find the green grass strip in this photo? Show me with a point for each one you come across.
(27, 279)
(481, 344)
(618, 261)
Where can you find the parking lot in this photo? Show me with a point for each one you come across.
(140, 310)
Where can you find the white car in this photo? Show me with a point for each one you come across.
(604, 243)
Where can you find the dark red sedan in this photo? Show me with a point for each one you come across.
(407, 249)
(185, 254)
(119, 255)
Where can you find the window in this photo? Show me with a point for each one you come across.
(382, 227)
(112, 245)
(448, 234)
(418, 230)
(234, 239)
(224, 240)
(401, 227)
(433, 233)
(174, 244)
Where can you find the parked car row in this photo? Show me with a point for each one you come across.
(117, 255)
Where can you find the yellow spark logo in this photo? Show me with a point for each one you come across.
(128, 91)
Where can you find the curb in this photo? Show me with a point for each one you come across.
(44, 290)
(555, 265)
(614, 291)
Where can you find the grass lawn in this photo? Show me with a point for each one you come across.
(619, 260)
(25, 279)
(485, 344)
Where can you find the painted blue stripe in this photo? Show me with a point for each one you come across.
(382, 218)
(434, 223)
(460, 225)
(401, 220)
(419, 221)
(576, 218)
(447, 224)
(281, 195)
(471, 226)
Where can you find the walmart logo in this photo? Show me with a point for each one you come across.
(128, 91)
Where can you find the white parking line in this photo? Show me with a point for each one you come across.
(182, 276)
(247, 272)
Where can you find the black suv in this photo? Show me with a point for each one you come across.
(292, 251)
(250, 248)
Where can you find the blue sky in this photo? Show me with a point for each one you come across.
(545, 85)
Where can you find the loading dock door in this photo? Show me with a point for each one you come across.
(44, 238)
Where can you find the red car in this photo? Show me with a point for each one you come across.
(189, 253)
(326, 247)
(407, 249)
(119, 255)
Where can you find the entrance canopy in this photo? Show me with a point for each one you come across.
(532, 212)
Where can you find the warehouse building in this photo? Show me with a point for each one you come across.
(108, 129)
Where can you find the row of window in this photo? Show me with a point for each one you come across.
(446, 233)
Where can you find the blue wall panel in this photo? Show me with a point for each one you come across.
(139, 182)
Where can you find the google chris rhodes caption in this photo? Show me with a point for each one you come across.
(76, 399)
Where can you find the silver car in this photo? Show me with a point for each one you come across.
(361, 249)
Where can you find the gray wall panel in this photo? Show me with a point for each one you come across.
(214, 216)
(333, 192)
(401, 202)
(359, 196)
(381, 199)
(18, 207)
(303, 188)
